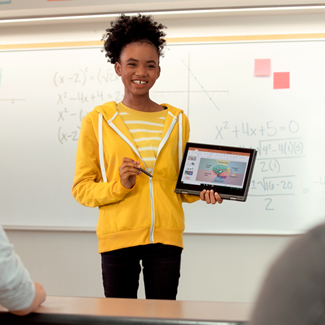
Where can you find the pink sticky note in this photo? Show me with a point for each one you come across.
(281, 80)
(262, 67)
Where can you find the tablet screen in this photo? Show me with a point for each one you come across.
(215, 167)
(226, 170)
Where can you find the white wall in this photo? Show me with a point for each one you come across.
(215, 267)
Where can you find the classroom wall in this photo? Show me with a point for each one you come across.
(215, 267)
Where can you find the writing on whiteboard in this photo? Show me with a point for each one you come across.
(79, 91)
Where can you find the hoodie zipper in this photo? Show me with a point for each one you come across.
(152, 212)
(161, 145)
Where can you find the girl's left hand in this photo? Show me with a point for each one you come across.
(210, 197)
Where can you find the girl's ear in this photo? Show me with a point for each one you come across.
(117, 67)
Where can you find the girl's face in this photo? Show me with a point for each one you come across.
(139, 68)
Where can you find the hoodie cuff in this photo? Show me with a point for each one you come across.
(121, 191)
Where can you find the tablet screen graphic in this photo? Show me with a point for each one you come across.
(219, 167)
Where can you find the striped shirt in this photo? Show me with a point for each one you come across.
(146, 129)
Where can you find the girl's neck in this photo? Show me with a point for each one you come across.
(142, 104)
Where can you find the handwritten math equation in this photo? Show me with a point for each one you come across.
(77, 93)
(246, 129)
(280, 160)
(83, 76)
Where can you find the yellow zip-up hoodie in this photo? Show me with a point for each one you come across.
(150, 212)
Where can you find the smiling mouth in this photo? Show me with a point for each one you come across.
(139, 82)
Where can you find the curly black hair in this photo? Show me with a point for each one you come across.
(126, 30)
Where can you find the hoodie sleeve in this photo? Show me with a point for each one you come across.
(88, 188)
(186, 135)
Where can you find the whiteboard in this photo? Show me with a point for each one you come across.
(44, 94)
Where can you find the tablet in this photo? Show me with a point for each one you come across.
(226, 170)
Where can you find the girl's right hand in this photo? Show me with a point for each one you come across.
(129, 170)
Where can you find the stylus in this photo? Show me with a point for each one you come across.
(144, 171)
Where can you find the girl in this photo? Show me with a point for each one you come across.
(140, 217)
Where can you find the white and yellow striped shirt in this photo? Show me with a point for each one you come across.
(146, 129)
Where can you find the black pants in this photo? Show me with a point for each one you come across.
(161, 271)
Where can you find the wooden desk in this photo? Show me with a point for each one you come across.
(78, 310)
